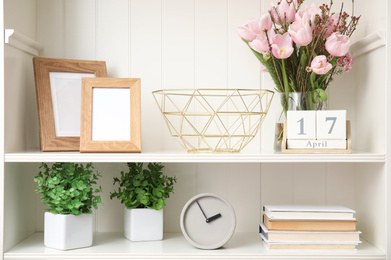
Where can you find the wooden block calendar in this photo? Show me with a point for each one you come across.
(316, 132)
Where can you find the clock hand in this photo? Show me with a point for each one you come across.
(208, 220)
(202, 211)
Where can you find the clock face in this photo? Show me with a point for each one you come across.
(208, 221)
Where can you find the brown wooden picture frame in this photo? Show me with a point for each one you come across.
(133, 144)
(49, 141)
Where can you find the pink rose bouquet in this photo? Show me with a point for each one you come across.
(301, 47)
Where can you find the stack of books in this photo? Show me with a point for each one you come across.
(309, 227)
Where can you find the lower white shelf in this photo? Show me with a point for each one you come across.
(174, 246)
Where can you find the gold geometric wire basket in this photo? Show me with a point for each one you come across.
(213, 120)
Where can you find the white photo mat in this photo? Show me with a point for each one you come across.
(66, 98)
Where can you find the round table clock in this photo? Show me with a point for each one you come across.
(208, 221)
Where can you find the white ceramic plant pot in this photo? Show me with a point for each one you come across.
(68, 231)
(143, 224)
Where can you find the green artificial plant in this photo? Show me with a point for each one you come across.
(143, 187)
(68, 188)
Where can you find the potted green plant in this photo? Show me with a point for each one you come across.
(143, 191)
(68, 189)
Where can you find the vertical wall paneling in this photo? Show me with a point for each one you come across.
(212, 58)
(276, 184)
(184, 189)
(243, 193)
(212, 44)
(51, 27)
(178, 48)
(80, 29)
(213, 177)
(145, 59)
(243, 66)
(21, 16)
(340, 185)
(109, 217)
(112, 36)
(309, 183)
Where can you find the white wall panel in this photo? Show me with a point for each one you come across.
(51, 28)
(276, 184)
(178, 51)
(145, 60)
(112, 36)
(213, 177)
(178, 43)
(21, 16)
(212, 44)
(245, 195)
(109, 217)
(309, 183)
(80, 29)
(340, 185)
(243, 66)
(184, 189)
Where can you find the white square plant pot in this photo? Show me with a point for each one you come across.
(143, 224)
(67, 231)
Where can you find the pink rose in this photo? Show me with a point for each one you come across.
(301, 32)
(320, 66)
(285, 10)
(282, 46)
(337, 44)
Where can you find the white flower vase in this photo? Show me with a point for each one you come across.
(68, 231)
(143, 224)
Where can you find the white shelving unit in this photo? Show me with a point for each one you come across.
(189, 44)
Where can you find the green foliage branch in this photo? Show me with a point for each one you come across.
(143, 187)
(68, 188)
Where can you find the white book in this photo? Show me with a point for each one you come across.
(308, 212)
(316, 144)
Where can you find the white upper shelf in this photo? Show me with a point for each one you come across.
(183, 157)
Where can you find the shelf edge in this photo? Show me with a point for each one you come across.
(195, 158)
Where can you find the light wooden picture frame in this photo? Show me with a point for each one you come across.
(110, 115)
(58, 90)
